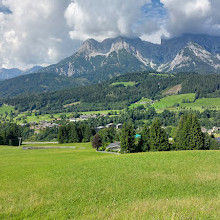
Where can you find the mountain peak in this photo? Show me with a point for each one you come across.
(188, 53)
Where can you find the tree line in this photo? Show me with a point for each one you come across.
(154, 138)
(75, 133)
(10, 134)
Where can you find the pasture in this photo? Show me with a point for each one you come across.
(141, 102)
(83, 184)
(6, 108)
(123, 83)
(169, 101)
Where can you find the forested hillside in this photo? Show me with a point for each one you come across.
(114, 94)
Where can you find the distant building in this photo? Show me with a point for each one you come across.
(73, 119)
(84, 117)
(114, 146)
(111, 125)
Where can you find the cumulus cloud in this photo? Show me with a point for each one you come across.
(104, 18)
(46, 31)
(34, 33)
(192, 16)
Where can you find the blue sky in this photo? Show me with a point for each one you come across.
(155, 9)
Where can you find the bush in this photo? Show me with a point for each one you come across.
(101, 149)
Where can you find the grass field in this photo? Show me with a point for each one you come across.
(169, 101)
(141, 102)
(124, 83)
(6, 108)
(200, 104)
(204, 103)
(83, 184)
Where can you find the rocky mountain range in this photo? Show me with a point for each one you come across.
(98, 61)
(14, 72)
(188, 53)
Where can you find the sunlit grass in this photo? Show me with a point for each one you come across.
(83, 184)
(124, 83)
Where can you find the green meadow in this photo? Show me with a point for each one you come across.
(204, 103)
(124, 84)
(6, 108)
(141, 102)
(169, 101)
(80, 183)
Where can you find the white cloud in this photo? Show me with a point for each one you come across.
(192, 16)
(100, 19)
(45, 31)
(34, 33)
(155, 37)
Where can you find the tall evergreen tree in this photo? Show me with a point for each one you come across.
(182, 138)
(88, 133)
(158, 137)
(189, 135)
(127, 139)
(63, 135)
(197, 137)
(145, 139)
(73, 133)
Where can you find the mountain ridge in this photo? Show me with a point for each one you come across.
(96, 62)
(6, 73)
(94, 56)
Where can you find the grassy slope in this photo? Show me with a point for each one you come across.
(203, 103)
(171, 100)
(124, 83)
(141, 102)
(6, 108)
(199, 104)
(83, 184)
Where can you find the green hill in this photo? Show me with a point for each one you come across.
(105, 96)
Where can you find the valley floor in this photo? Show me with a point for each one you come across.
(79, 183)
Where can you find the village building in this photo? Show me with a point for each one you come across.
(114, 147)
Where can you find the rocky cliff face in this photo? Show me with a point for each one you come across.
(189, 53)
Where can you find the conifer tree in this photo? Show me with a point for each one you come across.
(158, 137)
(145, 139)
(73, 134)
(182, 138)
(197, 137)
(62, 135)
(88, 133)
(189, 135)
(127, 139)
